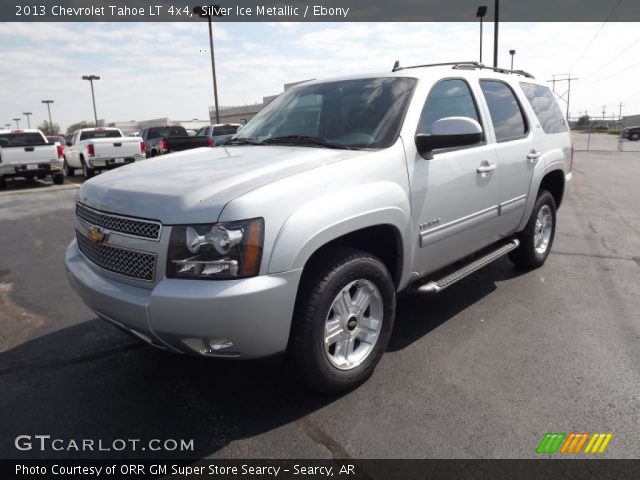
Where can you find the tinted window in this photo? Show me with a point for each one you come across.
(448, 98)
(88, 135)
(544, 104)
(508, 120)
(225, 130)
(21, 139)
(156, 132)
(360, 113)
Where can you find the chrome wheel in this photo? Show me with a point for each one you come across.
(353, 324)
(543, 230)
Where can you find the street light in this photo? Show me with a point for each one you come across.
(482, 11)
(49, 102)
(207, 11)
(26, 114)
(91, 78)
(512, 53)
(17, 120)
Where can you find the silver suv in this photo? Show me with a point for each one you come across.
(297, 235)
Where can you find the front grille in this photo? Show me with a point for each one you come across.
(118, 260)
(128, 226)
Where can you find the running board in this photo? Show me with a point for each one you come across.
(450, 277)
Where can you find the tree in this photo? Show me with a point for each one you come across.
(77, 126)
(49, 128)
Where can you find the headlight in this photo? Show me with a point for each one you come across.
(220, 251)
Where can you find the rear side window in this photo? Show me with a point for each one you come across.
(225, 130)
(156, 132)
(447, 98)
(506, 114)
(89, 134)
(546, 108)
(22, 139)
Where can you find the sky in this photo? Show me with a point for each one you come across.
(155, 70)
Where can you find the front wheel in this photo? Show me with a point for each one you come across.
(342, 321)
(537, 237)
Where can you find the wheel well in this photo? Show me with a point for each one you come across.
(553, 182)
(383, 241)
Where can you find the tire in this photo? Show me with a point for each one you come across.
(58, 178)
(29, 176)
(537, 237)
(67, 170)
(87, 172)
(40, 176)
(3, 183)
(362, 333)
(634, 137)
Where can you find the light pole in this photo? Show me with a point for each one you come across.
(512, 53)
(17, 120)
(91, 78)
(496, 21)
(208, 11)
(49, 102)
(482, 11)
(26, 114)
(8, 125)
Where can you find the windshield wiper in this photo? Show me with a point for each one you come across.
(241, 141)
(304, 140)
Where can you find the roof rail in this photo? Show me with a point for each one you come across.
(464, 65)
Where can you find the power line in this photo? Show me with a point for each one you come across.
(632, 44)
(596, 35)
(569, 79)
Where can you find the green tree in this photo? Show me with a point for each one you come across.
(49, 128)
(77, 126)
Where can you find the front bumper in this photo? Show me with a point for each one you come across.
(188, 316)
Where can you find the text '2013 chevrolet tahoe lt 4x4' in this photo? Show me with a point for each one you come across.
(297, 234)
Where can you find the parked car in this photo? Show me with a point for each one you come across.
(338, 195)
(92, 149)
(28, 154)
(220, 132)
(631, 133)
(162, 140)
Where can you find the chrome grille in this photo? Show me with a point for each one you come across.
(128, 226)
(125, 262)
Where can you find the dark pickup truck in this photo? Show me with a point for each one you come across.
(161, 140)
(632, 133)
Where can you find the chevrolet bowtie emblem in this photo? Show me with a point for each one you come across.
(97, 235)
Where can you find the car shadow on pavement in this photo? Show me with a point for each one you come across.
(418, 314)
(91, 381)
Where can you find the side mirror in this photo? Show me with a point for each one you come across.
(69, 144)
(448, 133)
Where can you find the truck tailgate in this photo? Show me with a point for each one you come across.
(177, 144)
(25, 155)
(116, 147)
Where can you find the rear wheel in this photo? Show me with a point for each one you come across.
(634, 137)
(57, 178)
(342, 321)
(87, 172)
(67, 170)
(537, 237)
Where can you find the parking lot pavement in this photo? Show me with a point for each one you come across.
(603, 142)
(484, 369)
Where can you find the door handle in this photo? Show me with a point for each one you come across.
(486, 167)
(534, 155)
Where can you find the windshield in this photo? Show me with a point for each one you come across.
(362, 113)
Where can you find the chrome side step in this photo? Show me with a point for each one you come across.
(452, 276)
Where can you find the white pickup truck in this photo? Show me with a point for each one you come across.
(28, 154)
(92, 149)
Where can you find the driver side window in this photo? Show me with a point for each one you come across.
(447, 98)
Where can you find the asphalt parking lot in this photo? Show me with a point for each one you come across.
(482, 370)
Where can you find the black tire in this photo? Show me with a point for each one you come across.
(57, 178)
(67, 170)
(323, 279)
(526, 256)
(87, 172)
(3, 183)
(40, 176)
(29, 176)
(634, 137)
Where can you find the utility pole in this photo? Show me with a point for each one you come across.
(496, 21)
(26, 114)
(569, 79)
(91, 78)
(604, 109)
(17, 120)
(48, 103)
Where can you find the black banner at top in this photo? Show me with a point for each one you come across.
(318, 10)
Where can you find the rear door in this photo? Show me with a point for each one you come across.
(518, 149)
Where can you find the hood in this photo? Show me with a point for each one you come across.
(194, 186)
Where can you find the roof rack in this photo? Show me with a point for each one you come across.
(463, 66)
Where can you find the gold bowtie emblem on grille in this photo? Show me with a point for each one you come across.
(97, 235)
